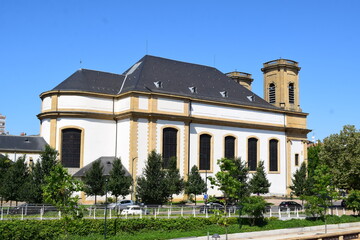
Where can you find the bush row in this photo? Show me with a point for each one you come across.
(52, 229)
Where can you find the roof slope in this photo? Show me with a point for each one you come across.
(105, 162)
(22, 143)
(175, 77)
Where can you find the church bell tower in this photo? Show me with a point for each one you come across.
(281, 84)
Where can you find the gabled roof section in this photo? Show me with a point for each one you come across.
(160, 75)
(91, 81)
(10, 143)
(105, 162)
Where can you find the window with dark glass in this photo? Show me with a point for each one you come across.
(70, 147)
(296, 159)
(229, 147)
(272, 96)
(252, 154)
(273, 154)
(169, 145)
(205, 152)
(291, 93)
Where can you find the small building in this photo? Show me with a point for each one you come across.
(192, 112)
(2, 124)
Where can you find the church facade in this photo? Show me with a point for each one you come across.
(192, 112)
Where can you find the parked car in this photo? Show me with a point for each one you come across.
(134, 210)
(211, 206)
(122, 204)
(289, 205)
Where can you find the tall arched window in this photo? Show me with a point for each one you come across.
(169, 145)
(70, 147)
(272, 96)
(229, 148)
(291, 93)
(252, 154)
(205, 152)
(273, 155)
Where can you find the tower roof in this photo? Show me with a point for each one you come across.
(161, 75)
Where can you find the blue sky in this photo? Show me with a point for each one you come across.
(43, 42)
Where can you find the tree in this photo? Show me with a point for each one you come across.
(48, 160)
(259, 183)
(353, 201)
(5, 164)
(313, 158)
(299, 181)
(119, 184)
(58, 191)
(174, 180)
(254, 207)
(94, 181)
(14, 181)
(152, 187)
(323, 192)
(341, 153)
(232, 179)
(195, 184)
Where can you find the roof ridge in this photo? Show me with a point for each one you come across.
(86, 69)
(191, 63)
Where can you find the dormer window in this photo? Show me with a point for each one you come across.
(193, 89)
(251, 98)
(291, 93)
(224, 94)
(158, 84)
(272, 96)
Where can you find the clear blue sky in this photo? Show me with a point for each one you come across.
(42, 43)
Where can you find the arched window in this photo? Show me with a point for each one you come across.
(169, 145)
(70, 147)
(229, 147)
(273, 155)
(291, 93)
(205, 152)
(272, 96)
(252, 154)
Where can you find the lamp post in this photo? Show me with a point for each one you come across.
(108, 163)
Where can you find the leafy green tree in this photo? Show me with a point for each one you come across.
(119, 184)
(14, 181)
(195, 184)
(174, 181)
(323, 192)
(34, 184)
(353, 201)
(259, 183)
(58, 191)
(94, 180)
(152, 187)
(313, 158)
(300, 181)
(48, 160)
(232, 179)
(254, 207)
(5, 164)
(341, 153)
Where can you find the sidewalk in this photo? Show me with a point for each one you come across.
(287, 233)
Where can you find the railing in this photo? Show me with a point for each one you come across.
(281, 61)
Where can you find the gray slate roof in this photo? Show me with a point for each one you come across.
(176, 78)
(22, 143)
(106, 162)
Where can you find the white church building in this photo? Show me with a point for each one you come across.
(192, 112)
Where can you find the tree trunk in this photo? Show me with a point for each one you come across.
(95, 199)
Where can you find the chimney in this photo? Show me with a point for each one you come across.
(242, 78)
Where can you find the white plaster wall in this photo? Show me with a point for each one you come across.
(142, 145)
(206, 110)
(143, 102)
(219, 132)
(123, 144)
(297, 147)
(181, 127)
(14, 156)
(170, 105)
(46, 104)
(85, 103)
(122, 104)
(99, 136)
(45, 129)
